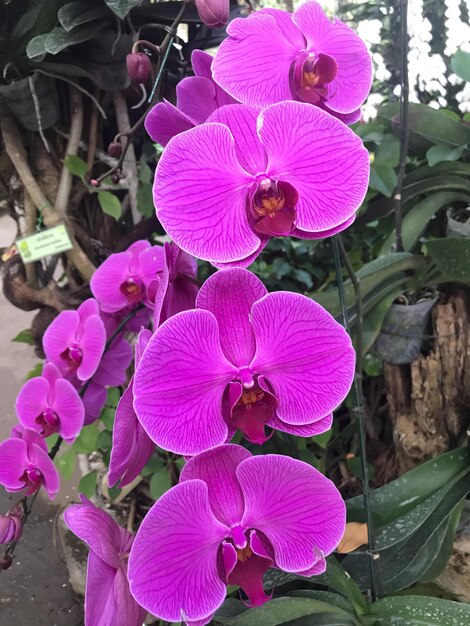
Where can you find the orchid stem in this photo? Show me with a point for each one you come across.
(358, 399)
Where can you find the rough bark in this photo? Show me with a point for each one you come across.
(429, 400)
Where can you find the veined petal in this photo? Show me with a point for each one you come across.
(217, 468)
(69, 407)
(202, 66)
(200, 194)
(128, 612)
(253, 63)
(93, 400)
(299, 510)
(241, 120)
(92, 342)
(286, 25)
(320, 157)
(196, 98)
(351, 86)
(164, 121)
(179, 384)
(107, 279)
(322, 234)
(59, 334)
(32, 400)
(304, 354)
(229, 294)
(307, 430)
(114, 363)
(100, 603)
(173, 562)
(13, 462)
(42, 461)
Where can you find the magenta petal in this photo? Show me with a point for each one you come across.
(128, 612)
(200, 194)
(229, 295)
(217, 468)
(69, 407)
(299, 510)
(93, 342)
(107, 279)
(164, 121)
(321, 158)
(112, 370)
(241, 120)
(97, 529)
(59, 335)
(42, 461)
(196, 98)
(353, 80)
(307, 430)
(179, 384)
(100, 601)
(132, 447)
(32, 400)
(173, 562)
(304, 354)
(201, 62)
(253, 63)
(93, 401)
(249, 259)
(214, 13)
(13, 461)
(321, 234)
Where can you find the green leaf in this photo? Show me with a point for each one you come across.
(122, 7)
(416, 220)
(437, 154)
(36, 46)
(76, 165)
(452, 257)
(154, 464)
(388, 152)
(107, 417)
(445, 552)
(105, 440)
(24, 336)
(373, 320)
(59, 39)
(338, 579)
(286, 609)
(421, 611)
(65, 463)
(145, 200)
(159, 483)
(383, 179)
(87, 484)
(36, 371)
(79, 12)
(113, 396)
(461, 64)
(86, 442)
(335, 599)
(110, 204)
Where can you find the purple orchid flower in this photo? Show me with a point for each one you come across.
(107, 598)
(231, 517)
(243, 359)
(122, 280)
(273, 56)
(25, 464)
(94, 399)
(75, 341)
(11, 525)
(50, 404)
(224, 188)
(175, 289)
(132, 447)
(197, 97)
(112, 370)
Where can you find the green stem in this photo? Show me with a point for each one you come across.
(359, 409)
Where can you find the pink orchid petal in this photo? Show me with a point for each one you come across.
(13, 461)
(150, 262)
(128, 612)
(322, 234)
(286, 25)
(229, 295)
(315, 570)
(241, 120)
(93, 401)
(87, 308)
(180, 382)
(253, 63)
(299, 510)
(107, 279)
(353, 80)
(69, 407)
(173, 562)
(132, 447)
(93, 342)
(112, 370)
(40, 459)
(244, 263)
(200, 194)
(217, 468)
(201, 62)
(196, 98)
(100, 601)
(164, 121)
(97, 529)
(214, 13)
(59, 334)
(32, 400)
(304, 354)
(321, 158)
(307, 430)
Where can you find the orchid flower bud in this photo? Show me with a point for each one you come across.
(214, 13)
(115, 150)
(138, 66)
(11, 525)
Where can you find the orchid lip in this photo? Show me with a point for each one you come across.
(246, 377)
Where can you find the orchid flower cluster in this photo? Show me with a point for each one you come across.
(257, 146)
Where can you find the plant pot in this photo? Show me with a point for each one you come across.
(403, 332)
(19, 100)
(456, 228)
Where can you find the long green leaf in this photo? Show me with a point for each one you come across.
(452, 257)
(421, 611)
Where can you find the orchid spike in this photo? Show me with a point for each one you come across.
(50, 404)
(132, 447)
(197, 97)
(108, 601)
(74, 341)
(232, 517)
(243, 359)
(25, 464)
(274, 55)
(224, 188)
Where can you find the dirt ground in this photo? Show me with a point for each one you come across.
(35, 590)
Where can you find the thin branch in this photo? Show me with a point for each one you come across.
(404, 132)
(29, 228)
(92, 138)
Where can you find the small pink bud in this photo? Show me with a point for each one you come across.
(138, 66)
(115, 150)
(214, 13)
(115, 178)
(95, 183)
(11, 525)
(5, 562)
